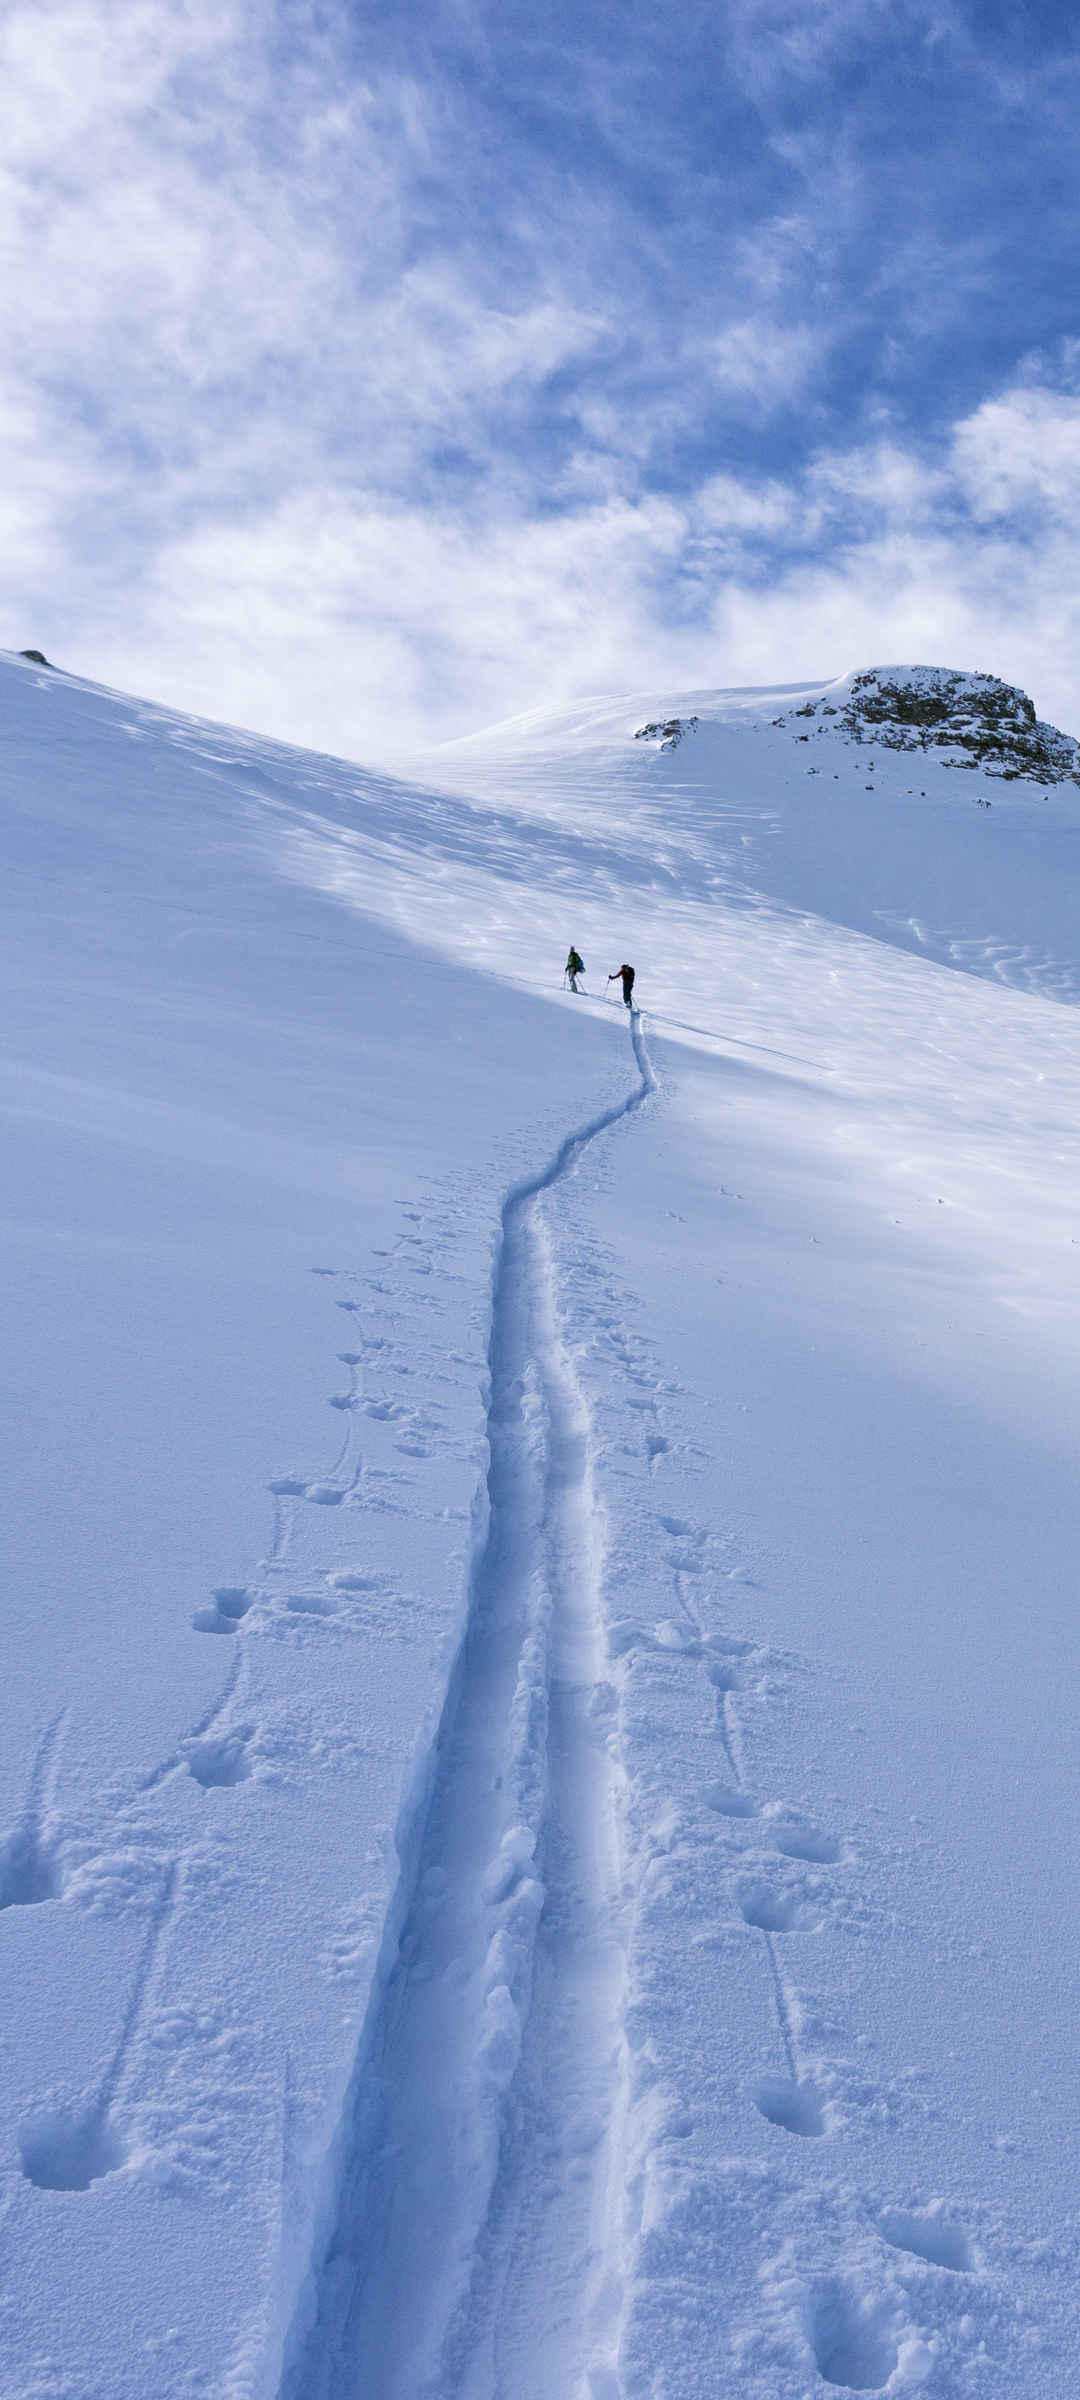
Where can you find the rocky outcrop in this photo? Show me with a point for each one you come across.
(973, 721)
(668, 733)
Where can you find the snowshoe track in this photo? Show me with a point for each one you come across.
(473, 2235)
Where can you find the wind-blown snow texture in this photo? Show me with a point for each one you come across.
(539, 1792)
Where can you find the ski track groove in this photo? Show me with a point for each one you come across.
(112, 2082)
(232, 1689)
(783, 2002)
(428, 2264)
(783, 1993)
(23, 1854)
(232, 1692)
(727, 1728)
(67, 2148)
(42, 1789)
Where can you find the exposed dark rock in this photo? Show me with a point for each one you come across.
(668, 734)
(38, 657)
(973, 721)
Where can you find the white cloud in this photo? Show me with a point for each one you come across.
(364, 630)
(368, 628)
(314, 419)
(723, 504)
(771, 362)
(874, 485)
(901, 568)
(1021, 453)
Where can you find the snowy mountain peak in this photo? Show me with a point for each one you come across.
(974, 721)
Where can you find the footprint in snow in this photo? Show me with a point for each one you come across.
(30, 1872)
(293, 1487)
(729, 1803)
(221, 1759)
(853, 2337)
(805, 1842)
(926, 2234)
(794, 2107)
(772, 1910)
(68, 2150)
(230, 1604)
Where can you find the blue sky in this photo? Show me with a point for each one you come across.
(374, 373)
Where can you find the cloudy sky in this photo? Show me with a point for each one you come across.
(375, 371)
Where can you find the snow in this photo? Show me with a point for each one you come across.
(539, 1800)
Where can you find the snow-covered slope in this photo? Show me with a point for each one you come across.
(551, 1875)
(925, 809)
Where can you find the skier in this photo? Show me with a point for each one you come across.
(627, 974)
(575, 966)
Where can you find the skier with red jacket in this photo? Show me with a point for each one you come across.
(627, 974)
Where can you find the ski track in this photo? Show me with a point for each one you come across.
(67, 2149)
(845, 2310)
(486, 2167)
(471, 2247)
(30, 1870)
(71, 2144)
